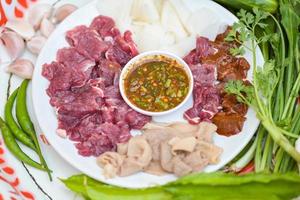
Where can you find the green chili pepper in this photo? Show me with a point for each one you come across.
(14, 148)
(25, 121)
(12, 124)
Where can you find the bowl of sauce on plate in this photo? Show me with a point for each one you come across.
(156, 83)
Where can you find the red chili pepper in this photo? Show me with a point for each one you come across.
(247, 169)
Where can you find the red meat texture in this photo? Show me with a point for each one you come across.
(84, 88)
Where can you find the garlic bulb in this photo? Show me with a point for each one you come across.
(62, 12)
(22, 68)
(36, 13)
(13, 43)
(23, 28)
(46, 27)
(36, 44)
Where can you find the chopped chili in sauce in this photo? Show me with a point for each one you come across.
(157, 85)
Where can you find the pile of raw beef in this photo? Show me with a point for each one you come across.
(84, 87)
(213, 65)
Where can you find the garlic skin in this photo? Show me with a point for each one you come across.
(22, 68)
(46, 27)
(62, 12)
(36, 44)
(36, 14)
(23, 28)
(13, 43)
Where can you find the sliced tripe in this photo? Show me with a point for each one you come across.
(144, 11)
(171, 22)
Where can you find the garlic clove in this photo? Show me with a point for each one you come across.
(23, 28)
(36, 44)
(22, 68)
(14, 44)
(37, 12)
(62, 12)
(46, 27)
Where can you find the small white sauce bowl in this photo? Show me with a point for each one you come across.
(134, 62)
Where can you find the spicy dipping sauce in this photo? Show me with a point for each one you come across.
(157, 85)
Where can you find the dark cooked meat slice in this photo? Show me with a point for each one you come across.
(231, 68)
(203, 74)
(231, 105)
(228, 124)
(103, 25)
(204, 60)
(87, 42)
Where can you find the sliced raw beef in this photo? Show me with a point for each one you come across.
(61, 77)
(136, 120)
(80, 65)
(206, 104)
(206, 97)
(108, 70)
(87, 42)
(84, 103)
(116, 54)
(123, 50)
(204, 74)
(127, 44)
(84, 87)
(104, 26)
(71, 58)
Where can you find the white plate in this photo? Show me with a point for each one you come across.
(48, 121)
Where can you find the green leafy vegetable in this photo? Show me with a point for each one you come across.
(215, 186)
(260, 94)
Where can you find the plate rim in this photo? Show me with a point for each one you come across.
(70, 161)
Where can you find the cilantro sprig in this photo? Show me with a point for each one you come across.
(260, 94)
